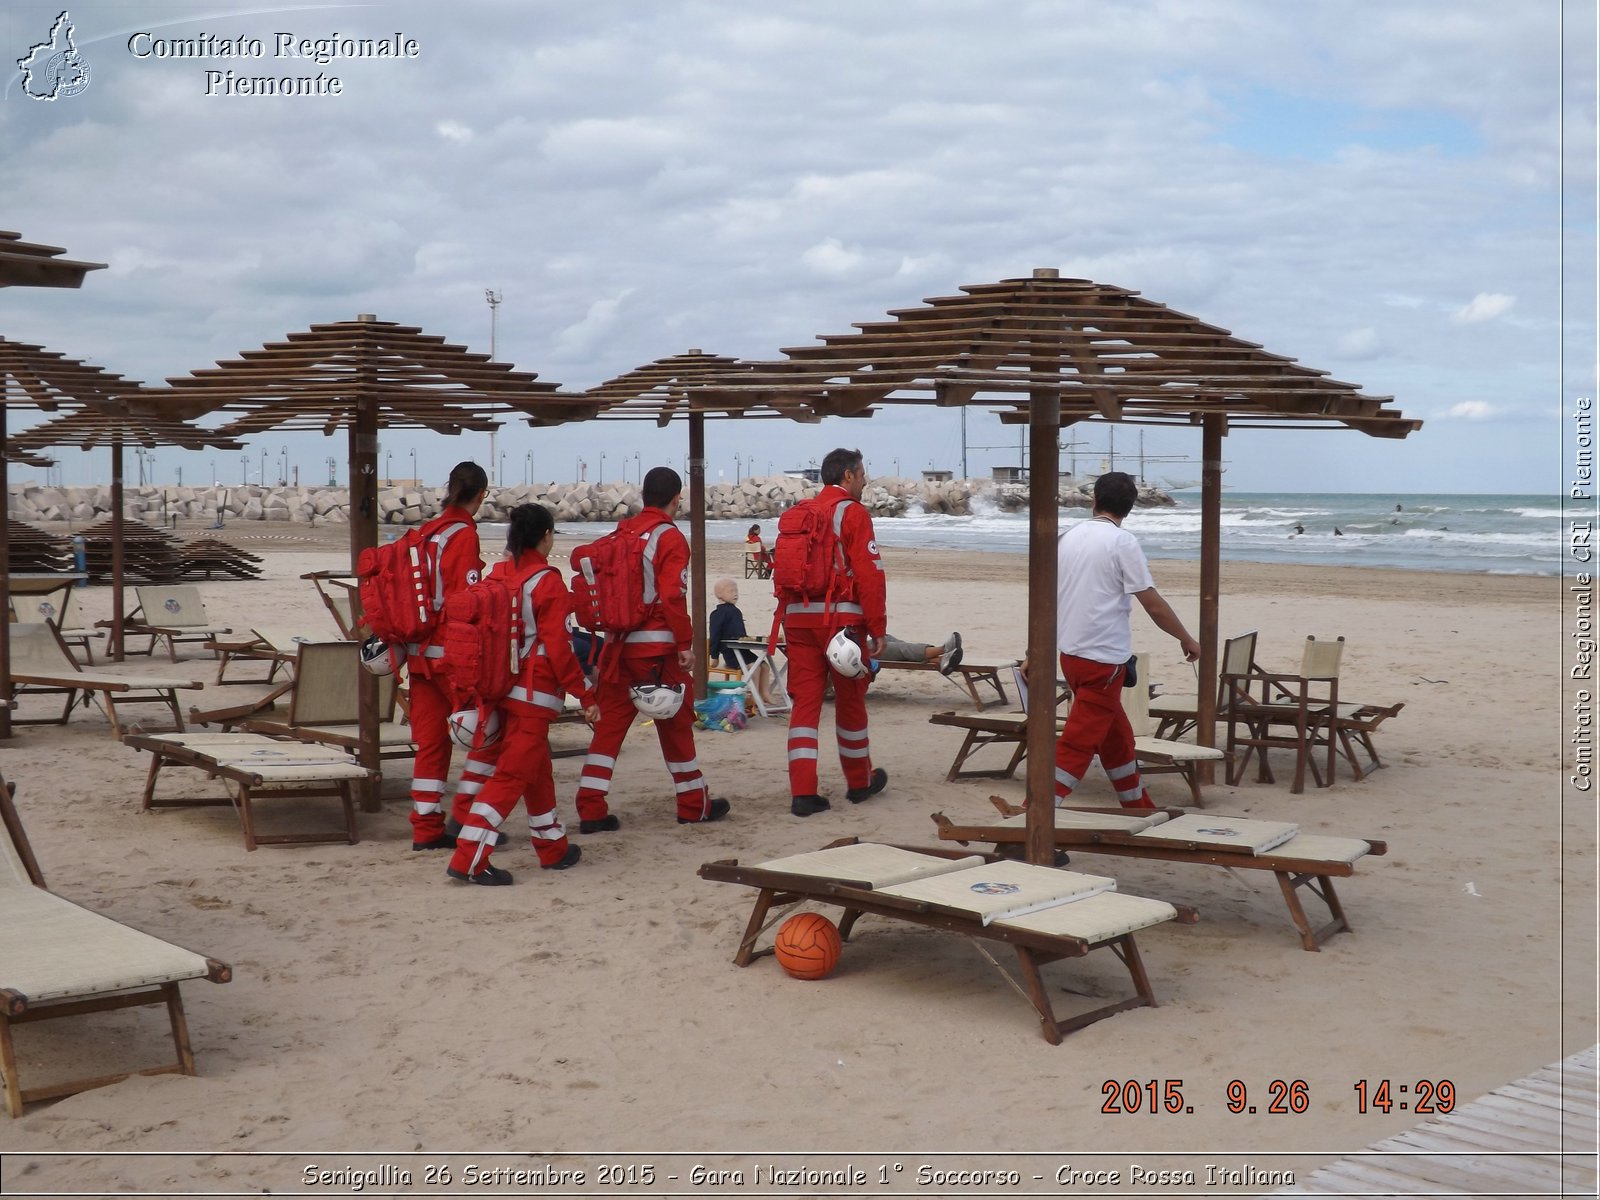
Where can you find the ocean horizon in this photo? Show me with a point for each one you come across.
(1489, 533)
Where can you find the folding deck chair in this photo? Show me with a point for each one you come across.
(1155, 755)
(972, 674)
(1298, 860)
(58, 960)
(258, 767)
(338, 590)
(1043, 913)
(765, 676)
(1265, 710)
(58, 607)
(172, 614)
(42, 665)
(324, 704)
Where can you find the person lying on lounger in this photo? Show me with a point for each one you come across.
(947, 654)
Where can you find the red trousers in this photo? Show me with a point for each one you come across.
(675, 735)
(1096, 724)
(430, 727)
(521, 769)
(809, 673)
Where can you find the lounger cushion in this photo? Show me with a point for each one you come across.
(995, 891)
(1177, 751)
(1096, 918)
(873, 865)
(90, 681)
(1225, 833)
(1069, 818)
(50, 949)
(1324, 849)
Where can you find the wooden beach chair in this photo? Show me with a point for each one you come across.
(971, 675)
(1156, 756)
(1266, 710)
(42, 665)
(58, 960)
(1298, 860)
(338, 590)
(170, 613)
(58, 607)
(757, 564)
(1042, 913)
(324, 704)
(258, 767)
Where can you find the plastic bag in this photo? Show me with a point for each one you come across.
(721, 711)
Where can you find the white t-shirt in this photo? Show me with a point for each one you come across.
(1099, 567)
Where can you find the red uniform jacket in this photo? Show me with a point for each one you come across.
(861, 593)
(460, 566)
(548, 665)
(667, 629)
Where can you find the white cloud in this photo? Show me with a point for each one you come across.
(1361, 343)
(829, 257)
(1485, 306)
(453, 131)
(1472, 410)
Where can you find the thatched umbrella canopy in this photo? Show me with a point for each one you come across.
(361, 375)
(93, 428)
(1053, 352)
(32, 377)
(29, 264)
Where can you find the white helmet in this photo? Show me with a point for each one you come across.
(845, 655)
(464, 727)
(657, 700)
(377, 658)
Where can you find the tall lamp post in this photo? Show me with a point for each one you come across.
(263, 466)
(502, 468)
(738, 469)
(415, 478)
(493, 298)
(333, 464)
(600, 471)
(244, 468)
(286, 466)
(388, 467)
(527, 467)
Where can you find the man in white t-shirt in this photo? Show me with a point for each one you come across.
(1100, 570)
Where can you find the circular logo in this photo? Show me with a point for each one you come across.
(872, 546)
(69, 73)
(47, 609)
(172, 605)
(266, 754)
(992, 888)
(1219, 832)
(473, 576)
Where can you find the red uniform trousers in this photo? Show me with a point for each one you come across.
(676, 737)
(430, 727)
(521, 768)
(809, 673)
(1096, 724)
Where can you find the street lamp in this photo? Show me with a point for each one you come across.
(263, 466)
(577, 472)
(600, 471)
(738, 470)
(332, 465)
(388, 467)
(285, 482)
(415, 478)
(244, 468)
(502, 475)
(527, 467)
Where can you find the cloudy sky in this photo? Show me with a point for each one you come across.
(1374, 187)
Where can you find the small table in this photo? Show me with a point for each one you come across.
(753, 655)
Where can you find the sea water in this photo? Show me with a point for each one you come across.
(1489, 534)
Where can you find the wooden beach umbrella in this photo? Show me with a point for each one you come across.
(25, 264)
(93, 428)
(32, 377)
(1053, 352)
(363, 375)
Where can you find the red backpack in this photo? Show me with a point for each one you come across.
(401, 593)
(614, 580)
(807, 563)
(483, 634)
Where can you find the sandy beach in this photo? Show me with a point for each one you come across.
(376, 1007)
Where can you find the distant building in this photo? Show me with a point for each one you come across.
(1010, 474)
(938, 476)
(811, 474)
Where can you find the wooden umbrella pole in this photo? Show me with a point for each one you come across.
(1044, 465)
(1211, 432)
(697, 546)
(364, 534)
(117, 580)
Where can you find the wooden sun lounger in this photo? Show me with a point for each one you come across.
(339, 592)
(41, 664)
(1297, 860)
(172, 614)
(54, 604)
(972, 894)
(58, 960)
(324, 704)
(259, 767)
(971, 674)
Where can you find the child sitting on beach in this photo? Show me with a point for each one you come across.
(727, 622)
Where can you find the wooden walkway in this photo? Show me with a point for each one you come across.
(1534, 1137)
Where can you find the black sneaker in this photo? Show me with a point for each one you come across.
(490, 876)
(950, 659)
(606, 824)
(719, 809)
(574, 853)
(806, 806)
(443, 842)
(880, 780)
(452, 830)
